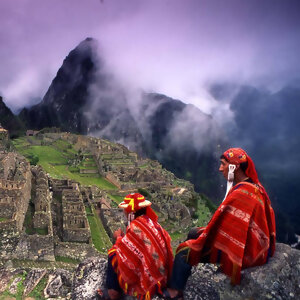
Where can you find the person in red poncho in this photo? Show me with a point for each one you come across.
(140, 262)
(240, 234)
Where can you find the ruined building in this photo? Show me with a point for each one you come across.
(75, 223)
(42, 201)
(15, 190)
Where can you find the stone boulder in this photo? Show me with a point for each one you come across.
(59, 284)
(278, 279)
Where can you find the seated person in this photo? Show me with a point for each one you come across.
(240, 234)
(140, 262)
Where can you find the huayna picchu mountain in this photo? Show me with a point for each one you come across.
(85, 98)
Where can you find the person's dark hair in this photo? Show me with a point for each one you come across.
(140, 212)
(243, 165)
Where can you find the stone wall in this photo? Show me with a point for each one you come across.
(78, 251)
(88, 171)
(113, 179)
(35, 247)
(113, 219)
(76, 235)
(8, 225)
(75, 225)
(15, 188)
(42, 200)
(7, 211)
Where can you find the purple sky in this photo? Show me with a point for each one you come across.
(176, 47)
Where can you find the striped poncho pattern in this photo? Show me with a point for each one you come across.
(240, 234)
(143, 258)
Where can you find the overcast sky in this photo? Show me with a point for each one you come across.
(176, 47)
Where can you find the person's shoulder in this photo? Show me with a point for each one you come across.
(246, 186)
(249, 190)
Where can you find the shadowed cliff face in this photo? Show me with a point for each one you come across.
(9, 121)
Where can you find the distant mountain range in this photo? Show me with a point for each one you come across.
(85, 98)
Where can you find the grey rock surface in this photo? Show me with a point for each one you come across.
(278, 279)
(88, 277)
(32, 279)
(59, 284)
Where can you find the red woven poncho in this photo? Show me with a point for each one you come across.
(240, 234)
(144, 258)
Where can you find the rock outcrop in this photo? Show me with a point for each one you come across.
(279, 279)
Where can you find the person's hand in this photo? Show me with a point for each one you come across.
(118, 233)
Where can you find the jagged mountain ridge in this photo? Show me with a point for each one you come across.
(84, 98)
(9, 121)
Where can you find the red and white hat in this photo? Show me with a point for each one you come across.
(133, 202)
(237, 156)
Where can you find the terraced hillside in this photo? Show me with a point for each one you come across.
(59, 159)
(115, 170)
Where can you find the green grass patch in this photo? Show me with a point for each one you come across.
(20, 289)
(144, 166)
(3, 219)
(100, 238)
(73, 169)
(54, 162)
(106, 156)
(203, 214)
(88, 210)
(91, 167)
(116, 198)
(47, 155)
(28, 223)
(38, 291)
(177, 235)
(41, 231)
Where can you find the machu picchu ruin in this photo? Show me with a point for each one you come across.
(59, 195)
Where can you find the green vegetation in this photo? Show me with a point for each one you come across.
(116, 198)
(54, 159)
(203, 213)
(212, 207)
(38, 291)
(100, 238)
(20, 289)
(178, 237)
(88, 210)
(144, 166)
(33, 159)
(41, 231)
(28, 222)
(3, 219)
(145, 193)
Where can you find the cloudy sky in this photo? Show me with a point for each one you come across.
(176, 47)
